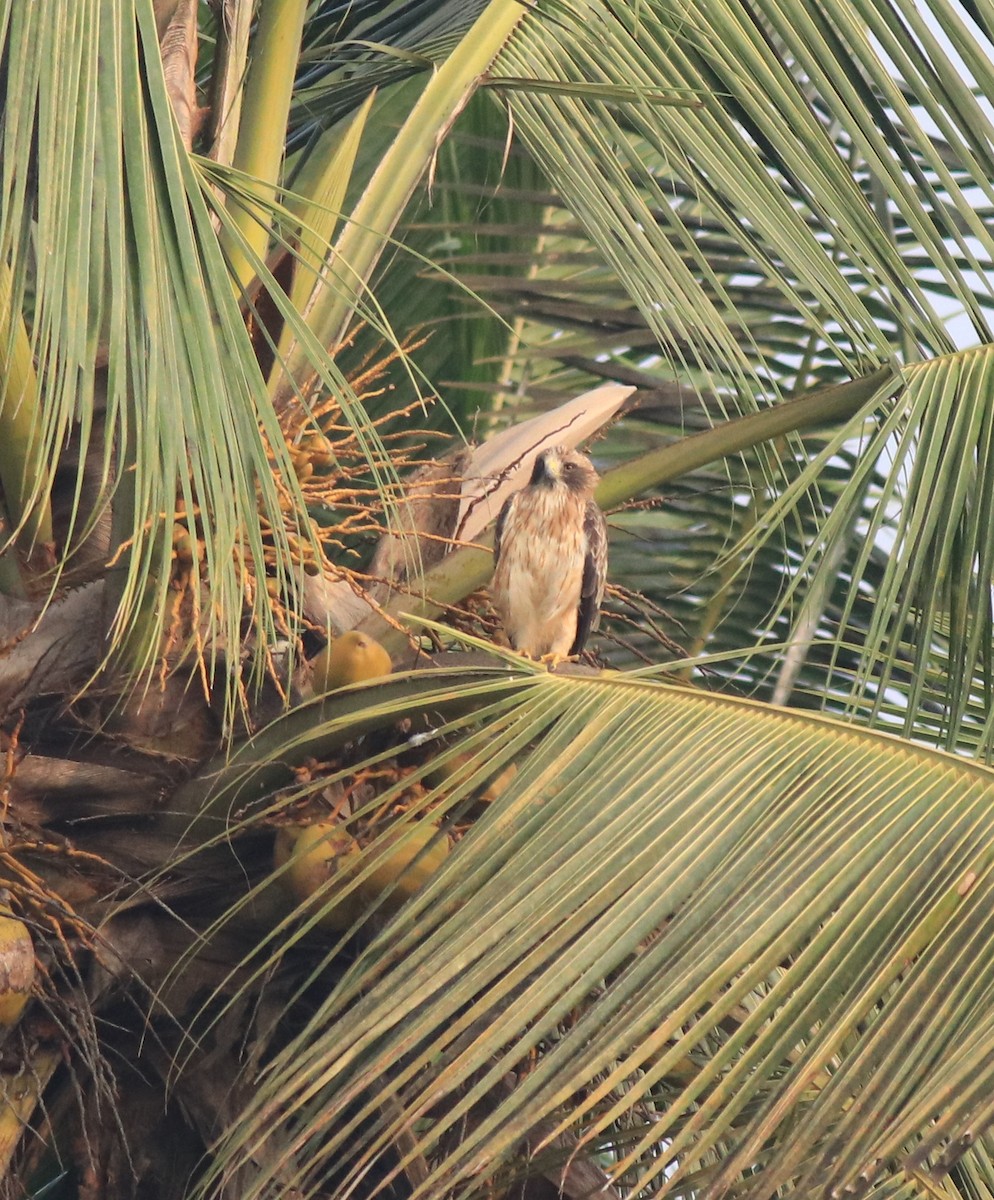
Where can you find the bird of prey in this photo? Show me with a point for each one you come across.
(551, 558)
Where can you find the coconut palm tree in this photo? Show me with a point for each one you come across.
(291, 295)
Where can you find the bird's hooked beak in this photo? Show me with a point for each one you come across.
(548, 469)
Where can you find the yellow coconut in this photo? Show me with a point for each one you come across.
(283, 844)
(303, 468)
(17, 966)
(319, 450)
(182, 543)
(442, 773)
(352, 658)
(406, 869)
(500, 782)
(317, 857)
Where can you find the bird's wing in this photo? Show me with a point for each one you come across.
(594, 575)
(501, 522)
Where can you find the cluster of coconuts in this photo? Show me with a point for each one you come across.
(445, 772)
(313, 452)
(316, 861)
(355, 658)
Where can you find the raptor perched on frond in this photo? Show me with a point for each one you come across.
(551, 557)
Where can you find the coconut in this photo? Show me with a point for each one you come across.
(499, 784)
(17, 966)
(352, 658)
(182, 544)
(415, 853)
(319, 450)
(442, 770)
(442, 773)
(319, 859)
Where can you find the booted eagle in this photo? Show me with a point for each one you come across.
(551, 558)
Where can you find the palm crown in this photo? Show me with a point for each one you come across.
(483, 929)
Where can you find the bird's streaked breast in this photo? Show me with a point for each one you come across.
(537, 583)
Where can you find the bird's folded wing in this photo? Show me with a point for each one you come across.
(594, 575)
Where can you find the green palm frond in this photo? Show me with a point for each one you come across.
(131, 310)
(132, 316)
(786, 184)
(924, 473)
(823, 221)
(903, 628)
(464, 208)
(350, 49)
(695, 931)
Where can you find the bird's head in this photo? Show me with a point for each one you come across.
(559, 467)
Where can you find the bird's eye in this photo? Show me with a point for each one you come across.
(569, 466)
